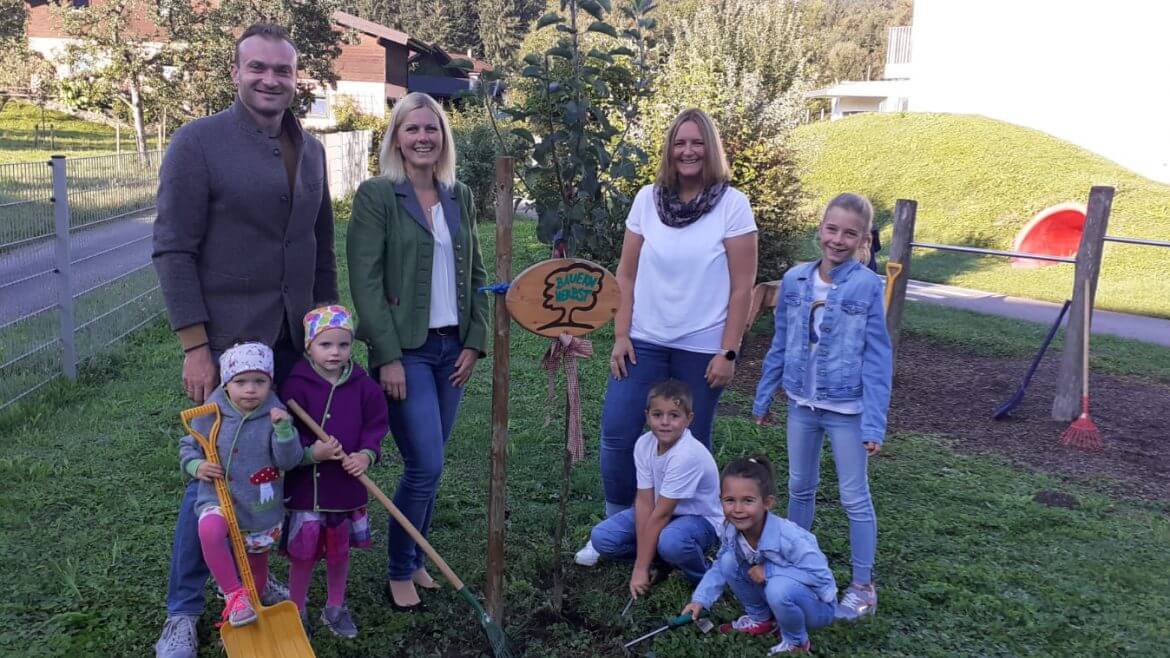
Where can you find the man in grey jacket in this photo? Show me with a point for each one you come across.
(243, 246)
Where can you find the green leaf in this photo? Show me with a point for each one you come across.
(548, 19)
(622, 50)
(592, 7)
(534, 59)
(532, 71)
(524, 134)
(604, 28)
(559, 51)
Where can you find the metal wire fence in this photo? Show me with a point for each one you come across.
(75, 270)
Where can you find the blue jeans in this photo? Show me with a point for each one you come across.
(188, 571)
(421, 425)
(682, 544)
(806, 434)
(188, 575)
(623, 415)
(794, 605)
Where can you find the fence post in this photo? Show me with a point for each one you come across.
(497, 500)
(905, 214)
(64, 268)
(1066, 404)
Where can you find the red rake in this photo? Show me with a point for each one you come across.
(1083, 433)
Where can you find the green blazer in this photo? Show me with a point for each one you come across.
(390, 248)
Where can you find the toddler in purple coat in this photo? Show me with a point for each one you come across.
(326, 502)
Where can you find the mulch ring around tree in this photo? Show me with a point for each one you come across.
(943, 391)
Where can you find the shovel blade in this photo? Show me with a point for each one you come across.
(276, 633)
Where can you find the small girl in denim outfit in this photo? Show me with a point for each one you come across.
(832, 355)
(773, 566)
(257, 443)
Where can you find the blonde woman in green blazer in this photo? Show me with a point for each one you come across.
(415, 270)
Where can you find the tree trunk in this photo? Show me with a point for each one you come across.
(136, 112)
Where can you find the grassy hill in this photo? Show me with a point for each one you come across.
(74, 137)
(977, 182)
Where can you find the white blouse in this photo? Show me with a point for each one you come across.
(444, 310)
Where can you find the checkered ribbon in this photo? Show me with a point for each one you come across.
(564, 352)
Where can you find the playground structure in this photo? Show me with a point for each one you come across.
(1067, 233)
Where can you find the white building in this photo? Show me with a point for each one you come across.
(1092, 73)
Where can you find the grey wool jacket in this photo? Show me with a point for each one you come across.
(254, 460)
(234, 247)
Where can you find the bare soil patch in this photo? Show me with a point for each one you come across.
(943, 391)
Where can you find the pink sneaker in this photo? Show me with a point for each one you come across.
(238, 610)
(746, 624)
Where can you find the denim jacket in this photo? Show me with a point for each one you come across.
(854, 358)
(785, 549)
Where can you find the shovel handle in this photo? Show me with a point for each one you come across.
(456, 583)
(686, 618)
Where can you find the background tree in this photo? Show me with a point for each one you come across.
(111, 52)
(208, 35)
(12, 20)
(846, 39)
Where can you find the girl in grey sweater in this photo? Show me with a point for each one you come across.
(256, 444)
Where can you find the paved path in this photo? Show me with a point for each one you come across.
(1123, 325)
(100, 254)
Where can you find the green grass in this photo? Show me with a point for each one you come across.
(968, 564)
(977, 182)
(73, 137)
(991, 335)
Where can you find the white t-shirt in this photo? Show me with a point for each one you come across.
(820, 295)
(686, 473)
(683, 283)
(444, 310)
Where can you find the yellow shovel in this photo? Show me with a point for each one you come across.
(893, 271)
(277, 631)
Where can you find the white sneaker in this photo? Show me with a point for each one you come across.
(587, 556)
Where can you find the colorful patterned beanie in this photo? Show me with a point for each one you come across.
(245, 357)
(321, 318)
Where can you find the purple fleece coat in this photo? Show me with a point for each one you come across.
(356, 414)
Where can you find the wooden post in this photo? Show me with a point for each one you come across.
(497, 500)
(1067, 403)
(905, 214)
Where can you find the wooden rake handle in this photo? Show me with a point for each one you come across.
(456, 583)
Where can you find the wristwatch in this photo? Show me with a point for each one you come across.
(729, 355)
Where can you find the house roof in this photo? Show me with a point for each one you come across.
(381, 31)
(397, 36)
(863, 89)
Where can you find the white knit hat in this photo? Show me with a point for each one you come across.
(245, 357)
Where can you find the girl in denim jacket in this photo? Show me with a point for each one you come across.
(773, 566)
(832, 355)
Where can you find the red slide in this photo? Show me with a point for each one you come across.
(1054, 231)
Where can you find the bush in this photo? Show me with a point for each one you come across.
(476, 146)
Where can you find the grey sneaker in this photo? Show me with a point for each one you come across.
(858, 602)
(274, 592)
(178, 638)
(339, 621)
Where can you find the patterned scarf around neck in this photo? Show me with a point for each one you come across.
(676, 214)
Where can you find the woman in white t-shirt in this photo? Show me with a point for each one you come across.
(687, 268)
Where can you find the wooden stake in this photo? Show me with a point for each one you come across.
(1067, 403)
(558, 589)
(497, 500)
(905, 214)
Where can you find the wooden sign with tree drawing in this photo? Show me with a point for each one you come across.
(563, 296)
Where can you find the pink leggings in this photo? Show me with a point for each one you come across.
(336, 570)
(217, 552)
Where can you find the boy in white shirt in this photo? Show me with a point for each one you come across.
(676, 513)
